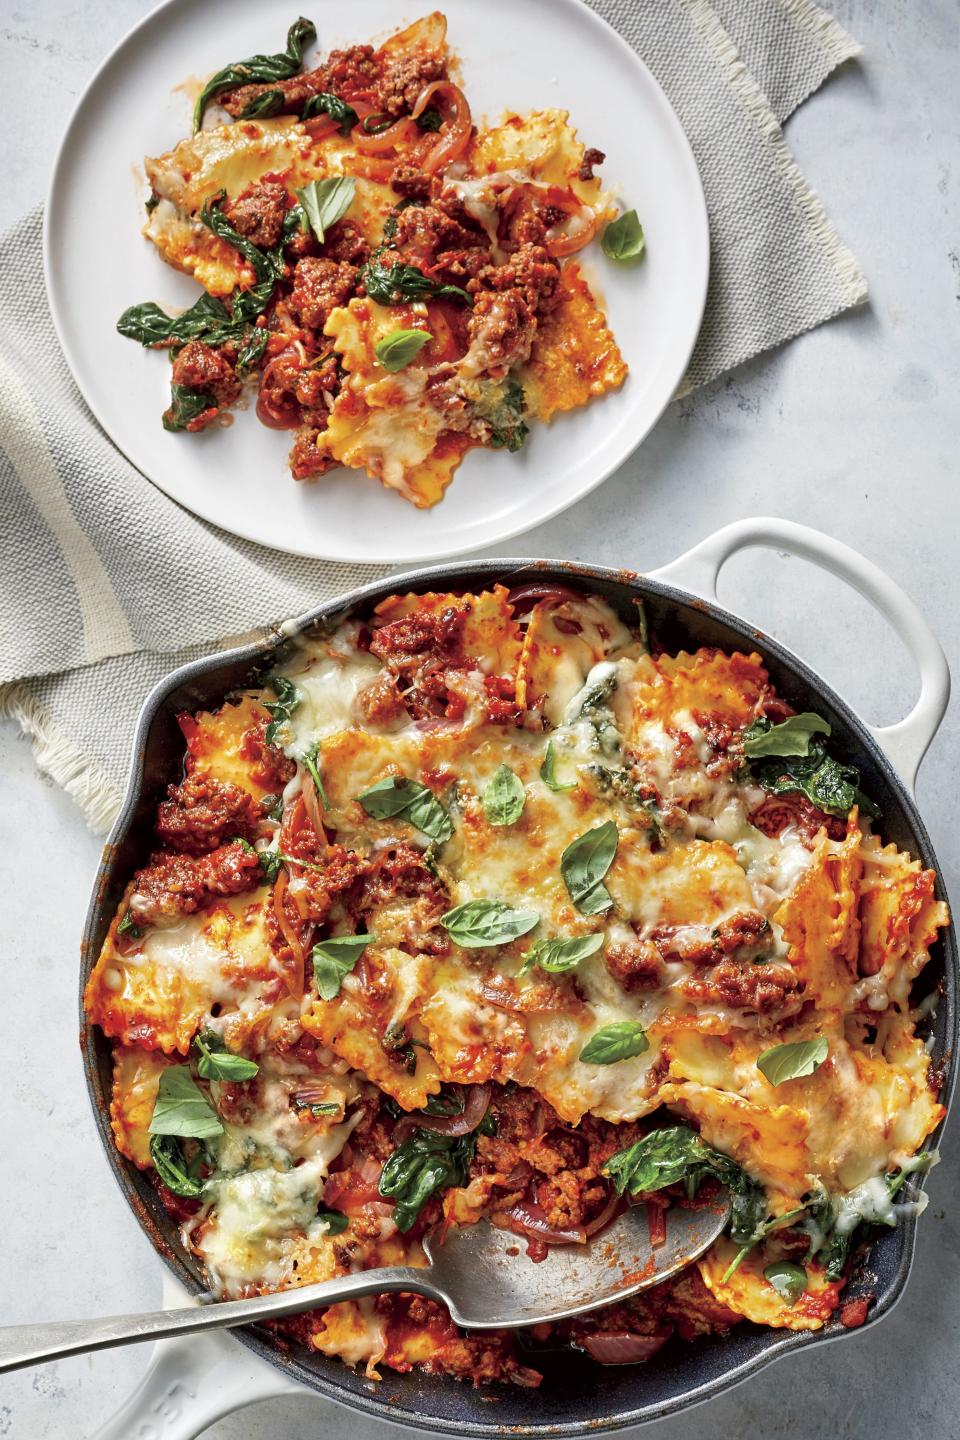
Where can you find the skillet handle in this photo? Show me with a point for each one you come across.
(906, 742)
(190, 1384)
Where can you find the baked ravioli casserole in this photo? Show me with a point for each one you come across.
(393, 279)
(489, 906)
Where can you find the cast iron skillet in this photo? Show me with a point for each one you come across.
(576, 1394)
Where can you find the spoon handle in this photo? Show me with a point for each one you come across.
(33, 1344)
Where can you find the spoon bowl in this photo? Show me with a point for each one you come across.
(487, 1281)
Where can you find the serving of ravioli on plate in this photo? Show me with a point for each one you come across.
(396, 282)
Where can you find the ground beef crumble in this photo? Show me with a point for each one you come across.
(319, 286)
(199, 367)
(259, 212)
(175, 884)
(201, 813)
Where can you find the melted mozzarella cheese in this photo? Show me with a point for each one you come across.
(168, 982)
(256, 1220)
(328, 692)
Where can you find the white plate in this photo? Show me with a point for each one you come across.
(523, 54)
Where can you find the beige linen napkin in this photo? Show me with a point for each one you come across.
(107, 585)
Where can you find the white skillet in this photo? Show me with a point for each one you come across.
(192, 1382)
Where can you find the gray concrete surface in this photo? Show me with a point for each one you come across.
(852, 428)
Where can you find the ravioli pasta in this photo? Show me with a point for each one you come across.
(334, 214)
(303, 909)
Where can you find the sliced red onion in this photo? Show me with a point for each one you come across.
(529, 1217)
(604, 1216)
(475, 1107)
(622, 1347)
(524, 597)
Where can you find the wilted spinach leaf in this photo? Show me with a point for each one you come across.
(828, 784)
(324, 103)
(174, 1170)
(421, 1166)
(288, 698)
(396, 283)
(186, 405)
(263, 68)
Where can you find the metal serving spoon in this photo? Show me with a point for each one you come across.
(480, 1273)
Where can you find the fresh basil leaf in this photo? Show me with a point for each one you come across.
(480, 923)
(311, 759)
(262, 106)
(334, 1220)
(623, 239)
(583, 865)
(389, 797)
(793, 1060)
(186, 406)
(409, 798)
(548, 770)
(791, 737)
(396, 350)
(557, 956)
(325, 103)
(216, 1062)
(288, 698)
(335, 958)
(327, 201)
(621, 1040)
(504, 797)
(263, 68)
(420, 1167)
(166, 1152)
(128, 926)
(181, 1108)
(396, 283)
(787, 1279)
